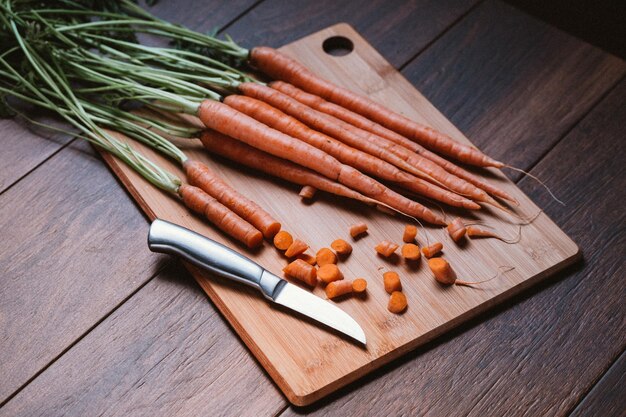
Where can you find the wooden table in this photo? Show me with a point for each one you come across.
(93, 323)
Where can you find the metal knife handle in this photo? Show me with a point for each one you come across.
(166, 237)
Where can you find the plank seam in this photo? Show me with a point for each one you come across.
(240, 15)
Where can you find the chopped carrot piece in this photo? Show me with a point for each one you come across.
(310, 259)
(359, 285)
(410, 232)
(392, 282)
(442, 271)
(329, 273)
(397, 302)
(357, 229)
(411, 252)
(325, 256)
(337, 288)
(307, 192)
(386, 248)
(302, 271)
(296, 248)
(456, 229)
(341, 247)
(282, 240)
(432, 250)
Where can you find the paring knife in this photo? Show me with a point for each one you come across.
(166, 237)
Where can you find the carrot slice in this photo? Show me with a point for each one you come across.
(386, 248)
(358, 229)
(329, 273)
(359, 285)
(432, 250)
(411, 252)
(410, 232)
(296, 248)
(341, 247)
(302, 271)
(282, 240)
(397, 302)
(392, 282)
(325, 256)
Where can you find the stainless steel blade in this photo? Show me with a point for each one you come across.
(295, 298)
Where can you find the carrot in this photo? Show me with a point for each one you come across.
(278, 66)
(325, 256)
(362, 140)
(359, 285)
(286, 146)
(386, 248)
(329, 273)
(410, 232)
(477, 232)
(364, 123)
(432, 250)
(358, 229)
(411, 252)
(218, 214)
(310, 259)
(302, 271)
(298, 247)
(392, 282)
(307, 192)
(201, 176)
(356, 158)
(456, 229)
(444, 274)
(338, 288)
(397, 302)
(342, 247)
(282, 240)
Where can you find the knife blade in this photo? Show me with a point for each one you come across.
(166, 237)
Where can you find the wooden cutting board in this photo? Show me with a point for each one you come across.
(306, 361)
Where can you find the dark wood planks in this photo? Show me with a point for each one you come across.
(398, 29)
(608, 396)
(512, 84)
(543, 352)
(67, 232)
(166, 351)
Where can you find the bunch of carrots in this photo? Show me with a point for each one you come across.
(84, 63)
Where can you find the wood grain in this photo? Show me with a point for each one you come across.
(498, 69)
(316, 362)
(166, 351)
(399, 29)
(541, 352)
(68, 210)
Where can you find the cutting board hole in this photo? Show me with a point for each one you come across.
(338, 46)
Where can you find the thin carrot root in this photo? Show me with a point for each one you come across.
(302, 271)
(298, 247)
(397, 302)
(282, 240)
(386, 248)
(359, 285)
(538, 180)
(477, 232)
(392, 282)
(342, 247)
(456, 229)
(410, 233)
(411, 252)
(307, 192)
(310, 259)
(221, 216)
(432, 250)
(358, 229)
(501, 270)
(329, 273)
(325, 256)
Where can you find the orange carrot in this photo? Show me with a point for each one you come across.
(411, 252)
(477, 232)
(279, 66)
(358, 229)
(456, 229)
(359, 285)
(302, 271)
(363, 140)
(218, 214)
(410, 232)
(356, 158)
(329, 273)
(338, 288)
(307, 192)
(284, 146)
(201, 176)
(397, 302)
(364, 123)
(298, 247)
(282, 240)
(342, 247)
(310, 259)
(432, 250)
(442, 271)
(392, 282)
(386, 248)
(325, 256)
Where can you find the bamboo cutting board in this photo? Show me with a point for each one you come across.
(306, 361)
